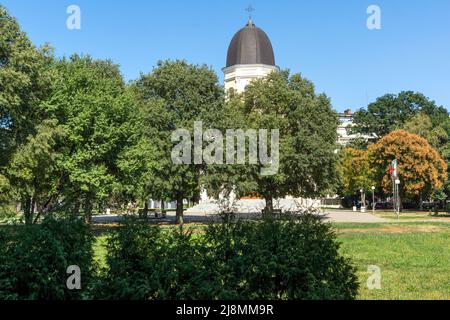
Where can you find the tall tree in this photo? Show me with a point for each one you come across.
(307, 128)
(140, 160)
(390, 112)
(93, 106)
(421, 168)
(34, 171)
(25, 82)
(177, 94)
(422, 125)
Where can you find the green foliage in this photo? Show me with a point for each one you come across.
(422, 125)
(173, 96)
(34, 260)
(390, 112)
(358, 144)
(92, 105)
(148, 262)
(25, 81)
(356, 172)
(33, 168)
(294, 259)
(8, 214)
(63, 125)
(308, 133)
(5, 188)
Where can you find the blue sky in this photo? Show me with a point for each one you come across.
(325, 40)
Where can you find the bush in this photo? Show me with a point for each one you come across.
(150, 262)
(8, 214)
(293, 259)
(34, 260)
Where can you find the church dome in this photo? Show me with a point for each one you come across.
(250, 45)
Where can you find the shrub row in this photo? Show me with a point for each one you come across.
(293, 259)
(34, 260)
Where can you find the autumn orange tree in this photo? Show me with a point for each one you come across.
(421, 168)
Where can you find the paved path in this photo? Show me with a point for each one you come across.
(353, 217)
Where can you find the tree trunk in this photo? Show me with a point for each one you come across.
(179, 212)
(363, 200)
(269, 204)
(27, 205)
(400, 203)
(76, 208)
(162, 209)
(145, 213)
(421, 202)
(88, 209)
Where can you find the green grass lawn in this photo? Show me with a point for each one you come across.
(414, 258)
(100, 250)
(412, 215)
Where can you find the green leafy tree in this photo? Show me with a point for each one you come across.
(177, 94)
(4, 189)
(359, 143)
(25, 81)
(390, 112)
(33, 170)
(307, 138)
(140, 161)
(422, 125)
(356, 171)
(93, 106)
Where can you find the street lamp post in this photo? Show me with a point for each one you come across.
(397, 197)
(373, 200)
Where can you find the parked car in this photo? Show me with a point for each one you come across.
(389, 205)
(427, 205)
(409, 205)
(380, 206)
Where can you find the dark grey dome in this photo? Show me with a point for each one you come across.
(250, 45)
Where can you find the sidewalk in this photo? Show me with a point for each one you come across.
(199, 217)
(352, 217)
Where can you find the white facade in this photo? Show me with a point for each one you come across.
(345, 125)
(238, 77)
(344, 129)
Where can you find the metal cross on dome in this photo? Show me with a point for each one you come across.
(250, 9)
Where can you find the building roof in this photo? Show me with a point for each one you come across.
(250, 45)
